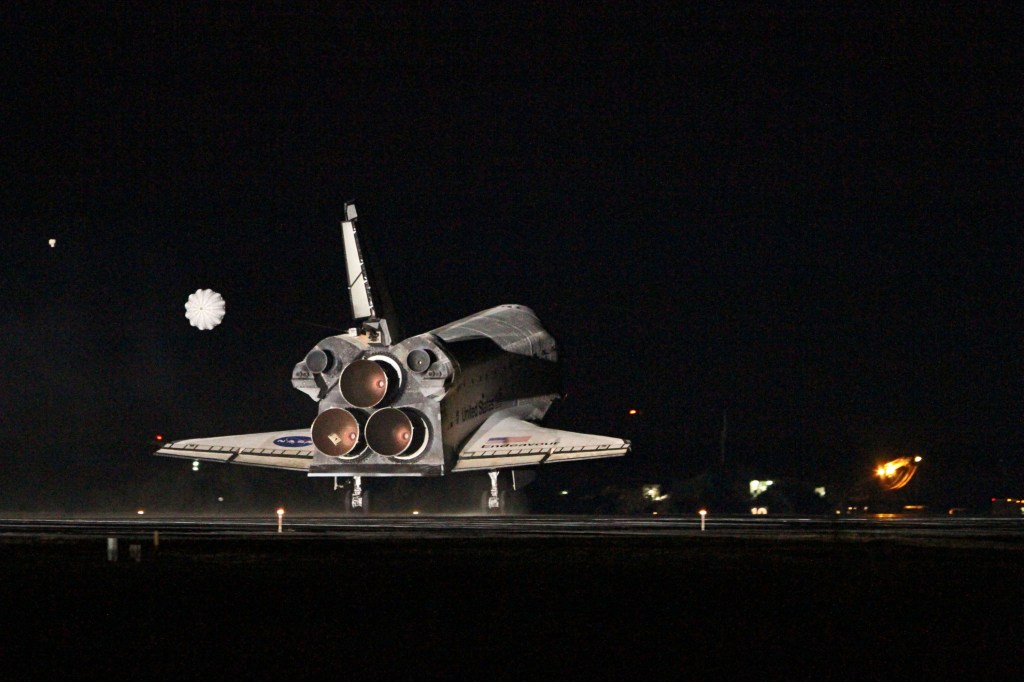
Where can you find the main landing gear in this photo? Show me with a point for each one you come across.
(497, 500)
(356, 499)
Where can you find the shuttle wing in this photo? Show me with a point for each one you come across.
(276, 449)
(506, 441)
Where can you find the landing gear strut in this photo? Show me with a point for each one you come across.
(356, 499)
(494, 501)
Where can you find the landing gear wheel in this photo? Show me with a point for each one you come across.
(492, 501)
(363, 503)
(492, 505)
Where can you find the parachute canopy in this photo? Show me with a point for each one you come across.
(204, 309)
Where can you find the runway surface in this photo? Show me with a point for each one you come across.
(944, 529)
(517, 597)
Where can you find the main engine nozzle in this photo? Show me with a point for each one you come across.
(398, 433)
(365, 383)
(337, 432)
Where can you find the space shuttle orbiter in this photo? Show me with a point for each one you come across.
(466, 396)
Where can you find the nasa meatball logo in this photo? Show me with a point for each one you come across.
(294, 441)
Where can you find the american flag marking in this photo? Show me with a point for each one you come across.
(508, 439)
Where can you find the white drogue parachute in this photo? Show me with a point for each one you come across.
(204, 309)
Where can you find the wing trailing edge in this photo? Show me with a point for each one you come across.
(291, 450)
(506, 441)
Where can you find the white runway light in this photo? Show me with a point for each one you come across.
(205, 309)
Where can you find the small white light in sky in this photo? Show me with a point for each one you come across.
(53, 243)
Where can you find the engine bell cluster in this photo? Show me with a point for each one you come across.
(361, 415)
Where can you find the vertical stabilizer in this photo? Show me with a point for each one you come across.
(364, 306)
(358, 286)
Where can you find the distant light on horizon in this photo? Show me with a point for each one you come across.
(897, 473)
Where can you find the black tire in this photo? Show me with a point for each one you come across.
(485, 509)
(510, 502)
(360, 510)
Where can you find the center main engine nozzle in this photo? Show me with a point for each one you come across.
(367, 383)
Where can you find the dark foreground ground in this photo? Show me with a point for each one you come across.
(519, 608)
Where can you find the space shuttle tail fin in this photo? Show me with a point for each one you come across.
(358, 286)
(367, 311)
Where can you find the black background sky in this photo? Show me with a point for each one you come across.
(809, 219)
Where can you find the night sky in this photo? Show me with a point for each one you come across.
(807, 220)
